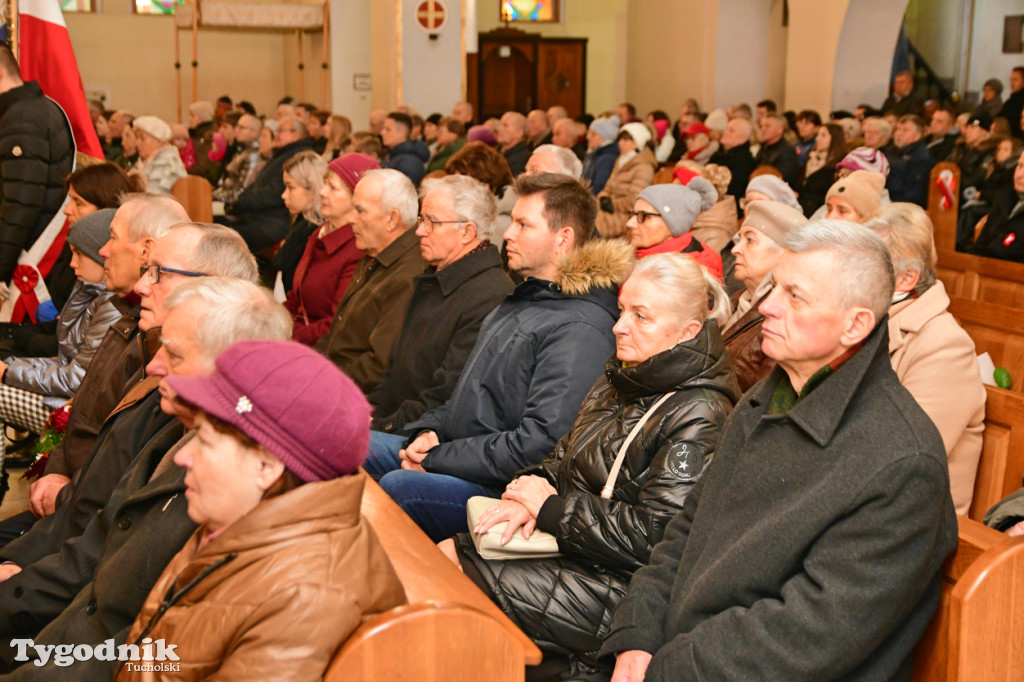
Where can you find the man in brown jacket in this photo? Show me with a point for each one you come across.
(369, 317)
(139, 221)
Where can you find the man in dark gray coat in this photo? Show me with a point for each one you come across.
(812, 548)
(464, 281)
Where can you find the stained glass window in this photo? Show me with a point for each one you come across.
(529, 10)
(77, 5)
(156, 6)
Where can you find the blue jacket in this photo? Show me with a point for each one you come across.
(598, 165)
(536, 357)
(409, 158)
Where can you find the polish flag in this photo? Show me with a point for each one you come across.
(45, 55)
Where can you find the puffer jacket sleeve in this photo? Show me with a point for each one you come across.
(49, 376)
(622, 534)
(567, 362)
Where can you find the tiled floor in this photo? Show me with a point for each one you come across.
(16, 500)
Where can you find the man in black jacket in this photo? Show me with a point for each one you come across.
(463, 283)
(911, 164)
(536, 357)
(511, 137)
(37, 152)
(903, 99)
(813, 548)
(260, 214)
(1014, 105)
(735, 155)
(776, 152)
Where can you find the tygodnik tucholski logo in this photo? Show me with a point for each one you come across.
(152, 656)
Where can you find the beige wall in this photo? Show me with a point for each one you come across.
(603, 23)
(662, 69)
(130, 58)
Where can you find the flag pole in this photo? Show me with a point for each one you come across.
(12, 37)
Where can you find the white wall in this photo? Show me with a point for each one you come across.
(350, 54)
(864, 54)
(987, 58)
(432, 69)
(750, 53)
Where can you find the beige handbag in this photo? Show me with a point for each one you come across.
(541, 545)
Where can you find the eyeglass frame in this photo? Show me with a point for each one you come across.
(642, 216)
(154, 279)
(422, 219)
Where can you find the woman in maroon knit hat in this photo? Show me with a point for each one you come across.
(330, 259)
(282, 567)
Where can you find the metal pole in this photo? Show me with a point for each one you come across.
(13, 37)
(302, 66)
(177, 68)
(195, 53)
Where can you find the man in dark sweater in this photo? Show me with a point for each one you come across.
(911, 163)
(1014, 105)
(813, 548)
(735, 155)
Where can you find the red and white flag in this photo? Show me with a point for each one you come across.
(45, 55)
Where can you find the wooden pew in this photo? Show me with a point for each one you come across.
(981, 279)
(977, 634)
(997, 330)
(450, 631)
(196, 195)
(1002, 453)
(944, 217)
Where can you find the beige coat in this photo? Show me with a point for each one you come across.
(716, 226)
(935, 360)
(306, 569)
(625, 182)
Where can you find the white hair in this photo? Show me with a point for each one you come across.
(566, 162)
(397, 193)
(473, 201)
(688, 289)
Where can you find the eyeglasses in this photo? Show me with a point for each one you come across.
(153, 273)
(641, 216)
(432, 224)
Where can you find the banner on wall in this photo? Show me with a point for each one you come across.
(45, 55)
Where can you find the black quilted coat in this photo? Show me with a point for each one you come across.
(565, 605)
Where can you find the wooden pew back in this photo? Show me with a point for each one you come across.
(977, 633)
(196, 195)
(997, 330)
(981, 279)
(944, 213)
(1002, 456)
(449, 630)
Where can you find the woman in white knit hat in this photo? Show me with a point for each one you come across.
(159, 161)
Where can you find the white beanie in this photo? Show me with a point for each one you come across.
(640, 133)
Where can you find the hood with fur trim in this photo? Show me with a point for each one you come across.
(602, 263)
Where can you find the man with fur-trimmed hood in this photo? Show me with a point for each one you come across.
(537, 355)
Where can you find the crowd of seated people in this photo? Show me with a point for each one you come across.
(710, 358)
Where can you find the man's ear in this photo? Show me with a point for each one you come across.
(861, 322)
(147, 248)
(565, 239)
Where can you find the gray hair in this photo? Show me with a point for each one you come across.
(221, 252)
(688, 289)
(237, 311)
(152, 215)
(397, 194)
(473, 201)
(566, 161)
(863, 276)
(910, 236)
(878, 122)
(308, 169)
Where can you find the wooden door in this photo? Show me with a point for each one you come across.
(507, 77)
(561, 74)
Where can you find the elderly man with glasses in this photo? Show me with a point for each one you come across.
(464, 281)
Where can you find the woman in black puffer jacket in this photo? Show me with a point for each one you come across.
(667, 339)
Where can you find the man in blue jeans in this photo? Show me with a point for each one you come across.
(537, 355)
